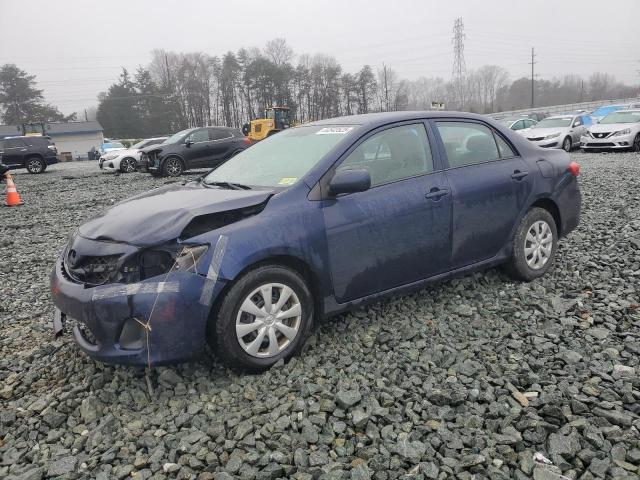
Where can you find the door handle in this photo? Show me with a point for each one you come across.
(518, 175)
(436, 193)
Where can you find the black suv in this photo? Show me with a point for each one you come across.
(33, 153)
(205, 147)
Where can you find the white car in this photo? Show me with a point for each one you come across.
(560, 131)
(619, 130)
(126, 161)
(518, 124)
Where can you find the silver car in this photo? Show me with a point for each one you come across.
(559, 131)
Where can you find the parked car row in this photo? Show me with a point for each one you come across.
(202, 147)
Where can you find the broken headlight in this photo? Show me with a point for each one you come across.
(163, 260)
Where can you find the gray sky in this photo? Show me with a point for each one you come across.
(77, 47)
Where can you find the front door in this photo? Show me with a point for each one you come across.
(198, 154)
(398, 231)
(490, 185)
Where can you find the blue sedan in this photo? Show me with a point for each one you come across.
(310, 222)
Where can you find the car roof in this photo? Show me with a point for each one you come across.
(373, 120)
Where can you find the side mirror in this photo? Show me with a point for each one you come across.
(576, 124)
(188, 143)
(349, 181)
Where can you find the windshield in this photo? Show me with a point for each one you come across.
(113, 145)
(176, 137)
(139, 144)
(553, 122)
(621, 117)
(280, 160)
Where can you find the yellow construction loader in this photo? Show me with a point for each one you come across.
(275, 119)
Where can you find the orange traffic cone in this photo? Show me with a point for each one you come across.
(13, 197)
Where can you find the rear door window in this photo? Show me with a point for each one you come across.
(393, 154)
(468, 143)
(219, 134)
(504, 148)
(519, 125)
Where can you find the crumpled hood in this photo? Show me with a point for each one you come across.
(162, 214)
(543, 132)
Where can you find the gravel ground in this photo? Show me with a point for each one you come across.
(477, 377)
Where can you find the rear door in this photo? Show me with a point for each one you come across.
(490, 184)
(398, 231)
(14, 151)
(222, 144)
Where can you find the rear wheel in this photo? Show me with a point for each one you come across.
(566, 144)
(173, 167)
(534, 245)
(128, 165)
(263, 318)
(35, 165)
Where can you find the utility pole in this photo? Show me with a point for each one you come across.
(459, 67)
(86, 117)
(581, 90)
(386, 88)
(533, 75)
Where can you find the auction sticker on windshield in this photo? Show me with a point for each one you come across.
(334, 131)
(287, 181)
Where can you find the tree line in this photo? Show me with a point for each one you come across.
(181, 90)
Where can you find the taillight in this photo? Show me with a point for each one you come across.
(246, 140)
(574, 169)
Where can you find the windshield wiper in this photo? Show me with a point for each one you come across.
(233, 186)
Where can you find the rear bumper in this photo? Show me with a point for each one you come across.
(111, 319)
(51, 160)
(569, 201)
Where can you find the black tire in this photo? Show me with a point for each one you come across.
(128, 165)
(636, 144)
(224, 336)
(35, 165)
(173, 167)
(518, 266)
(566, 144)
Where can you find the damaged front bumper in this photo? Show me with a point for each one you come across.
(155, 321)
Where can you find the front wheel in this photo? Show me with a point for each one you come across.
(128, 165)
(263, 318)
(36, 165)
(566, 145)
(636, 144)
(534, 245)
(173, 167)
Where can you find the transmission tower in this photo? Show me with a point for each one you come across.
(459, 68)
